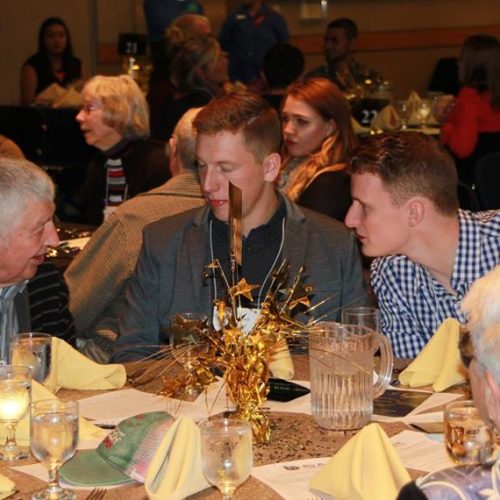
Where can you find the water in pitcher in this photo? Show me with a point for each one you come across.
(341, 390)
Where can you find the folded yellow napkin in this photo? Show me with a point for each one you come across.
(367, 467)
(72, 370)
(51, 94)
(71, 99)
(439, 362)
(281, 364)
(38, 393)
(175, 471)
(387, 119)
(7, 487)
(358, 128)
(413, 98)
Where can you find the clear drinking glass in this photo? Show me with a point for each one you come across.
(15, 398)
(226, 453)
(54, 437)
(468, 439)
(32, 349)
(361, 316)
(188, 342)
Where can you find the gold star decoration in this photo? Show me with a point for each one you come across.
(242, 288)
(300, 295)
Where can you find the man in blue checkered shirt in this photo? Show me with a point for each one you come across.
(405, 212)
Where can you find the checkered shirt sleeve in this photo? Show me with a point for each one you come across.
(413, 303)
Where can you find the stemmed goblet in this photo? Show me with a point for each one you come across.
(423, 111)
(54, 438)
(226, 453)
(15, 397)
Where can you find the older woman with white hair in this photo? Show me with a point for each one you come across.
(114, 118)
(33, 296)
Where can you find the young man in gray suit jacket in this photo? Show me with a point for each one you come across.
(238, 139)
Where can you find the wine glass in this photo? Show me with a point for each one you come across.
(15, 397)
(423, 111)
(54, 437)
(33, 350)
(226, 453)
(187, 342)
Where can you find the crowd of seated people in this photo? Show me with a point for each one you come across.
(98, 277)
(396, 191)
(313, 194)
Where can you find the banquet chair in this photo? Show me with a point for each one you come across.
(24, 126)
(467, 198)
(487, 180)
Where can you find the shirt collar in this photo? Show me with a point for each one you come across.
(468, 248)
(9, 292)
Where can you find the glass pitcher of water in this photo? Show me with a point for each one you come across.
(341, 361)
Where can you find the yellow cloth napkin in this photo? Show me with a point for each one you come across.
(387, 119)
(281, 364)
(7, 486)
(51, 94)
(413, 98)
(439, 362)
(72, 370)
(71, 99)
(358, 128)
(175, 471)
(413, 101)
(38, 393)
(367, 467)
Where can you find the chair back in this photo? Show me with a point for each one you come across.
(487, 180)
(467, 198)
(24, 126)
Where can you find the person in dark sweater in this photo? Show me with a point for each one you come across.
(33, 296)
(198, 72)
(318, 137)
(283, 65)
(54, 61)
(114, 118)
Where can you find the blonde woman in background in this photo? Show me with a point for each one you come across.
(317, 137)
(114, 118)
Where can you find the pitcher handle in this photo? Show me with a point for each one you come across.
(386, 362)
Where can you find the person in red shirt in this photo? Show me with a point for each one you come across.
(472, 127)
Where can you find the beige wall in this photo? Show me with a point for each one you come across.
(19, 24)
(20, 19)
